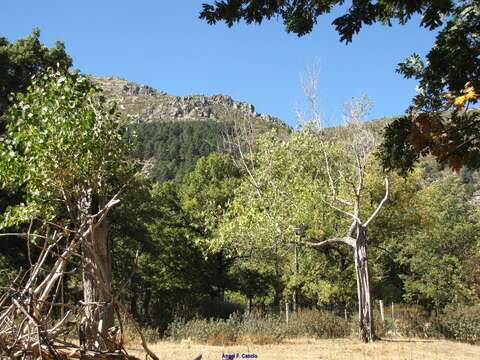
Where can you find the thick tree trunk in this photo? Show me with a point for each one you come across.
(97, 279)
(365, 315)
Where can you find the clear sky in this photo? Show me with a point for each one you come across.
(162, 43)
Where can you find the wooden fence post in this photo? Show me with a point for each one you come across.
(393, 319)
(382, 314)
(286, 311)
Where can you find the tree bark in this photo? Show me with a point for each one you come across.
(365, 315)
(97, 279)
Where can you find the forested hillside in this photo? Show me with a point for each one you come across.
(174, 132)
(172, 148)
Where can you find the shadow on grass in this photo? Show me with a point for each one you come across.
(409, 340)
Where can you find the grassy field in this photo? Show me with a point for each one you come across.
(305, 349)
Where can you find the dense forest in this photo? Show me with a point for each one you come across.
(174, 147)
(219, 222)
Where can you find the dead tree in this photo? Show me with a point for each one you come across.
(346, 172)
(356, 238)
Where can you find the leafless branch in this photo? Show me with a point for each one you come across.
(346, 240)
(380, 205)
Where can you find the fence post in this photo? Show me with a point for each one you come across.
(286, 311)
(393, 320)
(382, 314)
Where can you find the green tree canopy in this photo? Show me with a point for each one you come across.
(20, 60)
(62, 141)
(439, 122)
(299, 17)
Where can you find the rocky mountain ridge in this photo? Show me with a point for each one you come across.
(143, 103)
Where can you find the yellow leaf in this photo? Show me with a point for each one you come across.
(460, 101)
(470, 93)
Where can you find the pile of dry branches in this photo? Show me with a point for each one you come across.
(35, 321)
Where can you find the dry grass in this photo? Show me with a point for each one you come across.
(305, 349)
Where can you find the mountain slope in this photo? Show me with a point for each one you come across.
(145, 104)
(175, 131)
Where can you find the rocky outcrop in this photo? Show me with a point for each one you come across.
(132, 89)
(145, 104)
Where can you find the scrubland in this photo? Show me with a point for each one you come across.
(306, 349)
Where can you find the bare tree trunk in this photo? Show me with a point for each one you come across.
(382, 312)
(97, 280)
(249, 305)
(365, 315)
(286, 311)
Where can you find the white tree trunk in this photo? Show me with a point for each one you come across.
(365, 315)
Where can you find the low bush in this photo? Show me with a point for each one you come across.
(412, 321)
(258, 329)
(212, 332)
(131, 335)
(151, 335)
(318, 324)
(261, 329)
(461, 324)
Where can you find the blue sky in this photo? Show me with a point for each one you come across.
(162, 43)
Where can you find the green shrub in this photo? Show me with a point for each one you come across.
(257, 329)
(261, 329)
(227, 332)
(151, 335)
(412, 321)
(213, 332)
(318, 324)
(131, 335)
(461, 324)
